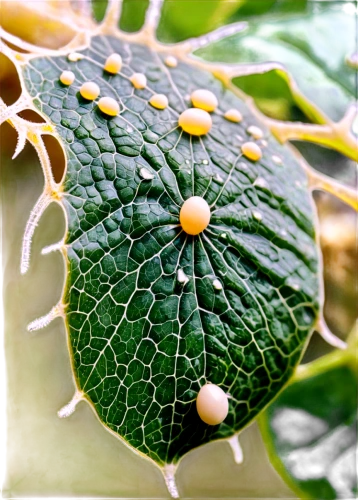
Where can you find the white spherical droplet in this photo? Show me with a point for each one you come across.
(146, 174)
(171, 62)
(212, 404)
(75, 56)
(139, 80)
(195, 121)
(352, 60)
(257, 215)
(217, 284)
(67, 77)
(252, 151)
(277, 159)
(194, 215)
(233, 115)
(89, 90)
(108, 106)
(182, 277)
(113, 64)
(159, 101)
(204, 99)
(255, 132)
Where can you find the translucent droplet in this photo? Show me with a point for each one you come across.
(113, 64)
(67, 77)
(257, 215)
(182, 277)
(90, 91)
(217, 284)
(233, 115)
(255, 132)
(251, 151)
(171, 61)
(108, 106)
(159, 101)
(352, 60)
(218, 178)
(146, 174)
(277, 159)
(138, 80)
(260, 182)
(75, 56)
(204, 99)
(195, 121)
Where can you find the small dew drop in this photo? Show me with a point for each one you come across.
(352, 60)
(187, 162)
(90, 91)
(218, 178)
(205, 162)
(233, 115)
(159, 101)
(204, 99)
(67, 77)
(113, 64)
(255, 132)
(75, 56)
(108, 106)
(257, 215)
(171, 62)
(251, 151)
(264, 143)
(182, 277)
(195, 121)
(129, 130)
(217, 284)
(223, 235)
(242, 166)
(145, 174)
(277, 160)
(138, 80)
(260, 182)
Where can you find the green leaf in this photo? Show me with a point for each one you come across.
(142, 341)
(311, 433)
(303, 45)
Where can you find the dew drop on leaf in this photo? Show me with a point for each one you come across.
(139, 80)
(212, 404)
(108, 106)
(89, 91)
(252, 151)
(195, 121)
(113, 64)
(195, 215)
(233, 115)
(204, 99)
(67, 77)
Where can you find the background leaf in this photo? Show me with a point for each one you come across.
(311, 432)
(303, 45)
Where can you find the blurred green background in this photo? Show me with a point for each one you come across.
(47, 456)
